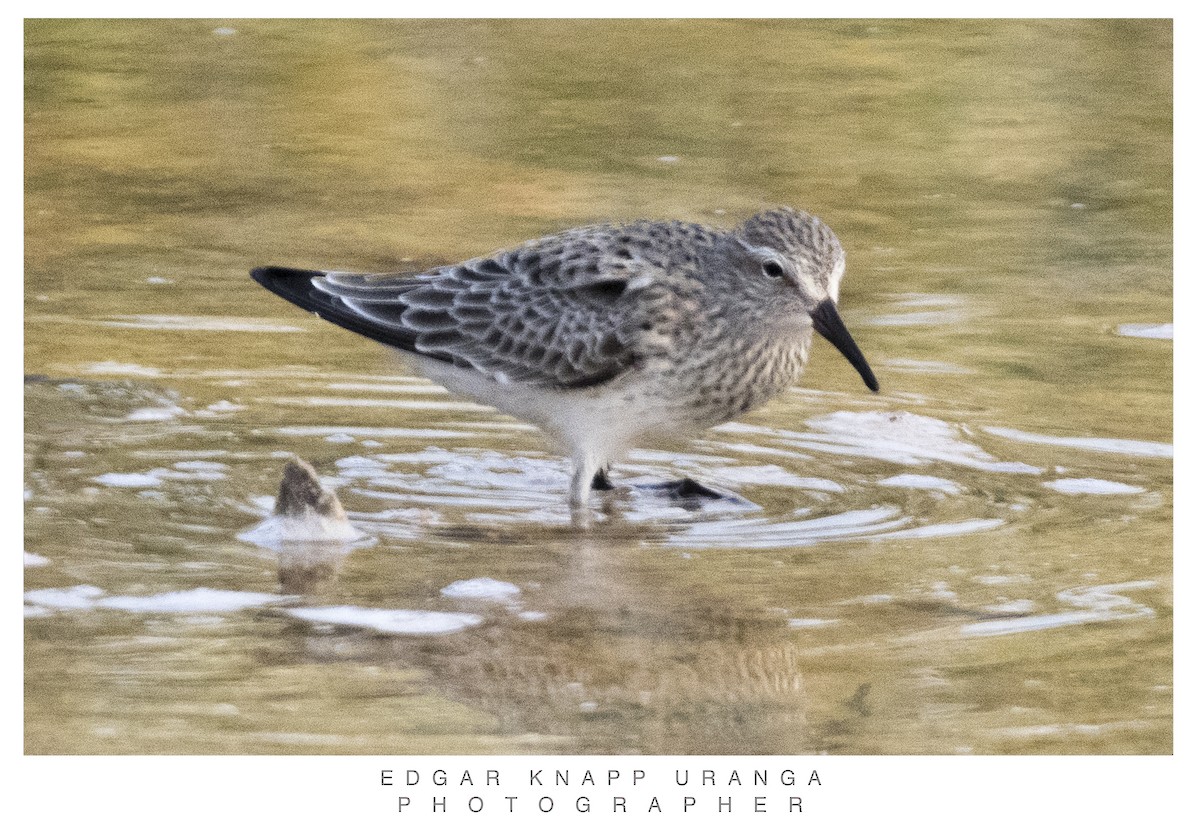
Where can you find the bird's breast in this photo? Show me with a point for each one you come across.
(720, 379)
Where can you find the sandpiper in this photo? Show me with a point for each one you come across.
(608, 335)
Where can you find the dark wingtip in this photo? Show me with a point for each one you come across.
(272, 275)
(290, 283)
(296, 286)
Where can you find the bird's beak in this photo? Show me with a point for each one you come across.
(828, 323)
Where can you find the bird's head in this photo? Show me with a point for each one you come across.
(797, 253)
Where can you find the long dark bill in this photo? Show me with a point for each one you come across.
(828, 323)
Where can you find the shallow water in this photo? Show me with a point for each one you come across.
(977, 559)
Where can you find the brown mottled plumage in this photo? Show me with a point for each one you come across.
(608, 334)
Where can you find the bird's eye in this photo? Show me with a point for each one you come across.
(772, 268)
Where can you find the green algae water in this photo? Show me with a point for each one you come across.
(976, 560)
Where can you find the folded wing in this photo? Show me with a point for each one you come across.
(512, 317)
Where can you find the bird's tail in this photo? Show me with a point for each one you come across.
(299, 287)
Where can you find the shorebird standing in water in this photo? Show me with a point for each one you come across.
(610, 335)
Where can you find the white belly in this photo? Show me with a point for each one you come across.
(599, 423)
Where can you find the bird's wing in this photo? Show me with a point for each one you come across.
(551, 320)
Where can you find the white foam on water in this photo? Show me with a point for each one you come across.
(761, 533)
(431, 454)
(116, 480)
(378, 475)
(652, 455)
(485, 479)
(1008, 626)
(276, 532)
(356, 402)
(466, 498)
(192, 601)
(1011, 607)
(185, 471)
(383, 433)
(121, 369)
(1107, 598)
(1002, 579)
(188, 455)
(360, 465)
(482, 588)
(943, 529)
(221, 324)
(774, 475)
(810, 622)
(1088, 485)
(918, 318)
(941, 591)
(498, 475)
(760, 450)
(155, 414)
(508, 425)
(298, 376)
(71, 597)
(424, 389)
(927, 300)
(1094, 604)
(924, 309)
(922, 482)
(1128, 447)
(1071, 730)
(652, 507)
(552, 514)
(389, 621)
(1148, 331)
(35, 560)
(201, 465)
(900, 437)
(867, 600)
(190, 476)
(201, 600)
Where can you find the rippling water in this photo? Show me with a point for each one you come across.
(978, 559)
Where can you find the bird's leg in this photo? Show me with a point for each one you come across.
(586, 470)
(590, 472)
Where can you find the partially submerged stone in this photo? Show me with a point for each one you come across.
(302, 495)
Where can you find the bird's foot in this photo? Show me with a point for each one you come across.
(686, 492)
(601, 482)
(693, 494)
